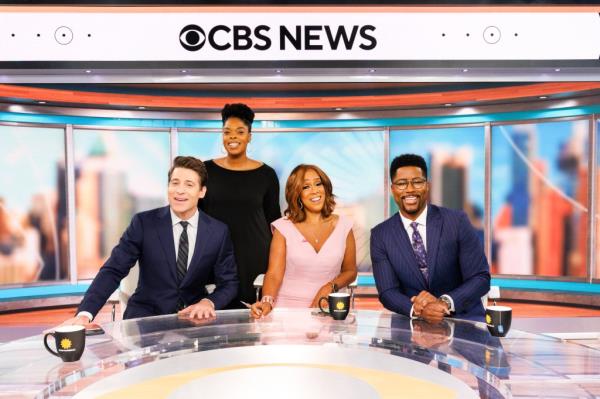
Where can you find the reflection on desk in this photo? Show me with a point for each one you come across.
(455, 352)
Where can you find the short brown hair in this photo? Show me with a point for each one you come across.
(190, 163)
(293, 188)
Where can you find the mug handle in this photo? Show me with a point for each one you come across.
(46, 344)
(320, 300)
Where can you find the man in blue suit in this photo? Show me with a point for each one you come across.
(179, 250)
(427, 260)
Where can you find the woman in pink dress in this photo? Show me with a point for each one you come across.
(313, 251)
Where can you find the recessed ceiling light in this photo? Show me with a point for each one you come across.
(372, 70)
(141, 107)
(278, 71)
(556, 69)
(466, 70)
(184, 71)
(88, 71)
(543, 97)
(339, 109)
(448, 104)
(41, 102)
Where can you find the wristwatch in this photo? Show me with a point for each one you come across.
(446, 301)
(334, 287)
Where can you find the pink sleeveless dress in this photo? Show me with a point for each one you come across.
(305, 269)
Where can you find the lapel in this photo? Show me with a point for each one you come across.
(434, 231)
(203, 234)
(400, 235)
(165, 236)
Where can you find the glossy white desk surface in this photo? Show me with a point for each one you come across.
(521, 365)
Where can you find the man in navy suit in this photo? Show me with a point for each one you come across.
(179, 250)
(427, 260)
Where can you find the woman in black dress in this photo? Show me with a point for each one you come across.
(244, 194)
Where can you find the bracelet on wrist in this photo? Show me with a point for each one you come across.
(334, 286)
(268, 299)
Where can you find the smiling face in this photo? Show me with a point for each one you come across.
(313, 192)
(236, 136)
(185, 189)
(411, 200)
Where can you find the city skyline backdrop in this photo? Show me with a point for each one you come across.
(128, 170)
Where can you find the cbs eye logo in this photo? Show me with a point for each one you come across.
(192, 37)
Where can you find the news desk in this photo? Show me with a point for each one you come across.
(301, 354)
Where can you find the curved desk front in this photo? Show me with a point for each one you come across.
(301, 354)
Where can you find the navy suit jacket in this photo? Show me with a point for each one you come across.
(149, 240)
(457, 265)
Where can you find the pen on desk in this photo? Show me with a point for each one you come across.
(246, 304)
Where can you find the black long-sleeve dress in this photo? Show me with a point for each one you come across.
(247, 201)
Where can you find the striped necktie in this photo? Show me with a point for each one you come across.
(182, 253)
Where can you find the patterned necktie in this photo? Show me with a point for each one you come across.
(419, 249)
(182, 253)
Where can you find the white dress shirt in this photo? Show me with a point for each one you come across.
(422, 229)
(192, 231)
(421, 220)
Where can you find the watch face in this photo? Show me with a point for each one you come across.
(447, 302)
(444, 300)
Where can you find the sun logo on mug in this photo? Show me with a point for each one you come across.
(65, 343)
(488, 319)
(340, 305)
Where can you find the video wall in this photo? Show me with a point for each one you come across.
(539, 198)
(538, 187)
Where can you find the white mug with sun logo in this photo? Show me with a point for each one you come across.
(70, 342)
